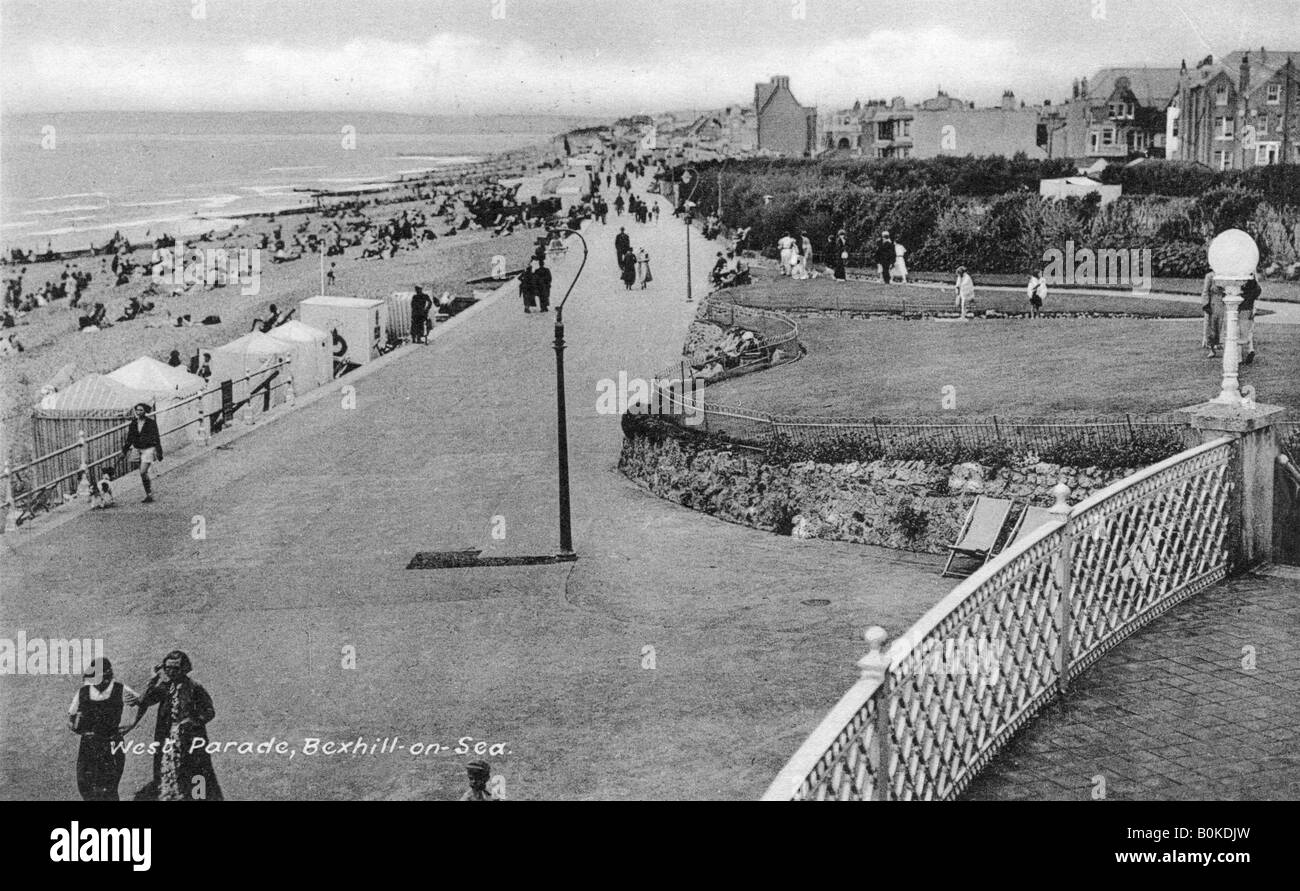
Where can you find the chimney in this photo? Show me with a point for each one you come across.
(1263, 56)
(1243, 77)
(1008, 100)
(1083, 88)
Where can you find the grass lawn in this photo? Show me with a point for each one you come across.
(1275, 289)
(772, 291)
(1081, 367)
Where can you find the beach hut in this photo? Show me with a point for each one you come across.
(94, 404)
(357, 327)
(172, 390)
(312, 363)
(254, 362)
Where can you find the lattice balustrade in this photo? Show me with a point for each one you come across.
(1138, 551)
(1001, 645)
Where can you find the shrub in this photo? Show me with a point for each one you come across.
(911, 521)
(1141, 450)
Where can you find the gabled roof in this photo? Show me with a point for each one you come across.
(1271, 58)
(1151, 86)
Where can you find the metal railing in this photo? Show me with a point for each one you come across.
(921, 724)
(61, 468)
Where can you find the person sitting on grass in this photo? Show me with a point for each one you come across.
(719, 267)
(264, 325)
(135, 307)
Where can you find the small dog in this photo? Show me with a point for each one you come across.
(101, 496)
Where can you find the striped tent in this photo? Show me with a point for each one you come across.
(94, 404)
(171, 390)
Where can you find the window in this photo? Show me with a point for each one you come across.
(1267, 153)
(1223, 160)
(904, 128)
(1274, 94)
(1121, 110)
(1224, 128)
(1221, 94)
(1108, 136)
(1261, 125)
(884, 131)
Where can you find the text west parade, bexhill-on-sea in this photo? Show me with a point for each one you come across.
(72, 179)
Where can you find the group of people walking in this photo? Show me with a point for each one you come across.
(182, 769)
(634, 265)
(535, 286)
(1215, 311)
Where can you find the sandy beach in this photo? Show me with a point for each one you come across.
(56, 351)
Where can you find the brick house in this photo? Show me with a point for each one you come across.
(1239, 113)
(1117, 115)
(784, 126)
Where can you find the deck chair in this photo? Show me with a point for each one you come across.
(979, 532)
(1030, 518)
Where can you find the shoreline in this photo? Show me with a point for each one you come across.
(55, 351)
(510, 162)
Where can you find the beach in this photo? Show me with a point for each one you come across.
(56, 352)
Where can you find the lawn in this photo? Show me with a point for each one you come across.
(1078, 367)
(772, 291)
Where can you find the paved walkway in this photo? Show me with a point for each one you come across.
(311, 520)
(1178, 711)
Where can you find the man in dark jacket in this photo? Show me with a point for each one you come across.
(421, 303)
(528, 287)
(143, 435)
(885, 255)
(542, 284)
(1250, 292)
(622, 244)
(840, 255)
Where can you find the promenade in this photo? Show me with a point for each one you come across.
(676, 658)
(1199, 705)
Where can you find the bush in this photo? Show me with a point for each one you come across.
(1145, 448)
(911, 521)
(985, 213)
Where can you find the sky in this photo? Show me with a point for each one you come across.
(591, 57)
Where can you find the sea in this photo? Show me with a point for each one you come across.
(72, 179)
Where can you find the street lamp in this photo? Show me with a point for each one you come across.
(1234, 257)
(561, 427)
(689, 177)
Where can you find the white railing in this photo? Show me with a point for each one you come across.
(948, 694)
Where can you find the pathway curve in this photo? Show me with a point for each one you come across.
(675, 659)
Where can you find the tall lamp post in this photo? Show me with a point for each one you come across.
(561, 425)
(1234, 257)
(689, 177)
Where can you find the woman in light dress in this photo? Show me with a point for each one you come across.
(900, 264)
(643, 275)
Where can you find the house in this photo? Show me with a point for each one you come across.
(943, 126)
(940, 125)
(1239, 113)
(1117, 115)
(783, 125)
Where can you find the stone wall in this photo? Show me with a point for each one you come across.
(847, 502)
